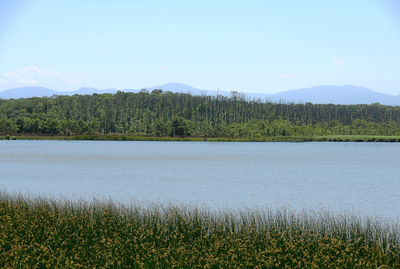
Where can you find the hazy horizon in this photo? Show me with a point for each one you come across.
(256, 47)
(187, 85)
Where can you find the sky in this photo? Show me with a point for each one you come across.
(264, 46)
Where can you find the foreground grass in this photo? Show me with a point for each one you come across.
(119, 137)
(37, 233)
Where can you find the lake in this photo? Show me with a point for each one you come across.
(354, 177)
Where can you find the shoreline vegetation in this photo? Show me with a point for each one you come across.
(167, 116)
(41, 233)
(120, 137)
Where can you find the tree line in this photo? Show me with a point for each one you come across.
(176, 114)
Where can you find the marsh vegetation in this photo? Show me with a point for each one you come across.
(41, 233)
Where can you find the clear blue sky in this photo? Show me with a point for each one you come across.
(250, 46)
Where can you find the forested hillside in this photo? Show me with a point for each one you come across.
(175, 114)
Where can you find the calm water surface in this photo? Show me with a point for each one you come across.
(357, 177)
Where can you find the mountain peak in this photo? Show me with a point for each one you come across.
(177, 87)
(331, 94)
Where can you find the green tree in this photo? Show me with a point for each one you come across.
(180, 127)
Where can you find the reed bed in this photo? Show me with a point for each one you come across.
(46, 233)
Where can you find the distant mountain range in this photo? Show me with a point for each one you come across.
(326, 94)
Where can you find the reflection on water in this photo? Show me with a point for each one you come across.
(360, 177)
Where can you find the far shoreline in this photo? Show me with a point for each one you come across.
(120, 137)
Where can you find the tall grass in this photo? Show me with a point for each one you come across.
(40, 233)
